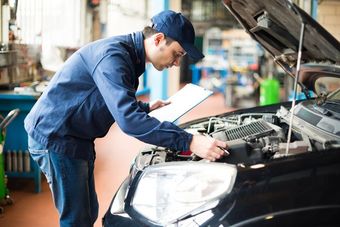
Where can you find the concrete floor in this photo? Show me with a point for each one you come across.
(114, 154)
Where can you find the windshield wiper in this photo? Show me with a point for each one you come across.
(321, 110)
(333, 101)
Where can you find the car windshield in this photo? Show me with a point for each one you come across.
(335, 95)
(328, 85)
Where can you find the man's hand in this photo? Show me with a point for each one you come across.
(157, 104)
(207, 147)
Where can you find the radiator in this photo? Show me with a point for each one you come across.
(252, 129)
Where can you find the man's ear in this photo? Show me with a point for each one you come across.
(157, 38)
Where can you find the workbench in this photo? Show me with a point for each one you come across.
(16, 136)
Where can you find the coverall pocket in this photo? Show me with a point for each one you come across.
(41, 157)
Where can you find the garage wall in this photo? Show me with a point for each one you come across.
(126, 16)
(329, 16)
(174, 72)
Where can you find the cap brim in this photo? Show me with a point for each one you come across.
(192, 51)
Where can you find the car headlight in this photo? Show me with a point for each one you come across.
(169, 191)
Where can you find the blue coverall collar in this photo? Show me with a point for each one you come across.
(138, 40)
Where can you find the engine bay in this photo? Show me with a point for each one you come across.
(257, 137)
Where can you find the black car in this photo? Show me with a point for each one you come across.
(283, 167)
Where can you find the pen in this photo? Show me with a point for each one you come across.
(222, 148)
(225, 150)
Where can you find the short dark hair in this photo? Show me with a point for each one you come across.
(149, 31)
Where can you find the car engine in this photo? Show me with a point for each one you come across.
(258, 137)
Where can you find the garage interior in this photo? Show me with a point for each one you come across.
(37, 36)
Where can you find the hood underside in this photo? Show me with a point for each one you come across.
(276, 25)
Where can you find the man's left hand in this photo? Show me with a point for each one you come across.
(158, 104)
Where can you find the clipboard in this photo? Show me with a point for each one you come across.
(181, 102)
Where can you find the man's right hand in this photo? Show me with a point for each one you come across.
(207, 147)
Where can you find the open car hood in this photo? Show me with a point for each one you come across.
(276, 25)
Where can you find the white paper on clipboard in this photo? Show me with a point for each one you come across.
(181, 102)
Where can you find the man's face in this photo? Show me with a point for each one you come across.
(166, 55)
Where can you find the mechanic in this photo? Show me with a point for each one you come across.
(95, 88)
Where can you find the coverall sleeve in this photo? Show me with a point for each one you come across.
(144, 106)
(115, 79)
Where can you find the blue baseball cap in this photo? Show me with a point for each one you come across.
(177, 27)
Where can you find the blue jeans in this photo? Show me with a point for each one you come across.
(72, 184)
